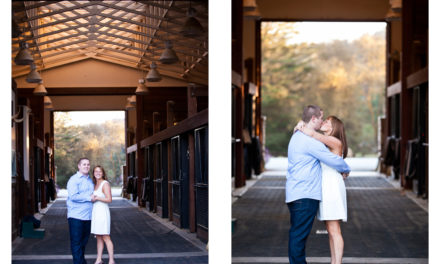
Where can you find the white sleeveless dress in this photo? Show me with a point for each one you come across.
(333, 205)
(101, 214)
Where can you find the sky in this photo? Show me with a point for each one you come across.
(96, 117)
(327, 31)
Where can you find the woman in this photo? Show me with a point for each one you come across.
(333, 205)
(101, 214)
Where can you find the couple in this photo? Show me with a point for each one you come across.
(315, 185)
(88, 212)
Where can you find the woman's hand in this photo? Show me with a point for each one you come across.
(299, 126)
(308, 131)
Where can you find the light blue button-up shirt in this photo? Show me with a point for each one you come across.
(79, 202)
(304, 168)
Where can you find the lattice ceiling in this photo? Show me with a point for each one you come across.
(129, 33)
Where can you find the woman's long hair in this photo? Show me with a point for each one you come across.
(103, 173)
(338, 132)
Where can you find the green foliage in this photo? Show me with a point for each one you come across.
(346, 79)
(103, 144)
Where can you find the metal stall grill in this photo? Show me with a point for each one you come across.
(148, 184)
(179, 170)
(161, 179)
(201, 178)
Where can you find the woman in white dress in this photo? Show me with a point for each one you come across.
(100, 225)
(333, 205)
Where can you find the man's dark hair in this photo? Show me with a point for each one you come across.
(81, 159)
(309, 111)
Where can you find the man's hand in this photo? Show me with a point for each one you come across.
(93, 198)
(345, 175)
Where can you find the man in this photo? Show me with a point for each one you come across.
(303, 185)
(79, 209)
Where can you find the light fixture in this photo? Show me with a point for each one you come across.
(249, 5)
(142, 89)
(168, 56)
(132, 99)
(396, 5)
(33, 76)
(23, 57)
(16, 31)
(48, 107)
(129, 106)
(192, 27)
(252, 15)
(392, 16)
(40, 90)
(153, 75)
(47, 100)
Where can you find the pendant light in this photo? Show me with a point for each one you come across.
(132, 99)
(40, 90)
(47, 100)
(153, 75)
(23, 56)
(33, 76)
(48, 107)
(192, 27)
(392, 16)
(168, 56)
(253, 14)
(249, 5)
(129, 106)
(142, 89)
(396, 5)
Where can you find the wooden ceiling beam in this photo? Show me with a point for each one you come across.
(179, 9)
(62, 10)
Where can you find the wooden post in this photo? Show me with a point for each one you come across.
(237, 66)
(156, 170)
(405, 95)
(170, 123)
(192, 109)
(258, 125)
(139, 153)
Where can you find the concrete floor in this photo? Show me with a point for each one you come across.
(384, 224)
(138, 237)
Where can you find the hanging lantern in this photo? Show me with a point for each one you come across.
(33, 76)
(142, 89)
(168, 56)
(153, 75)
(23, 56)
(192, 27)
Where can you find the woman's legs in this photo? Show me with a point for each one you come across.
(99, 248)
(336, 241)
(109, 245)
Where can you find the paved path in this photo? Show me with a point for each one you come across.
(138, 237)
(383, 225)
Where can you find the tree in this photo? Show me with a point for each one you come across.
(346, 79)
(103, 144)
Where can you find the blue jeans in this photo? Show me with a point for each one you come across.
(302, 214)
(79, 235)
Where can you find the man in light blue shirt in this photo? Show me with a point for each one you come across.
(303, 185)
(79, 209)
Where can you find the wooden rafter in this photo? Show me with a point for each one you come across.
(128, 33)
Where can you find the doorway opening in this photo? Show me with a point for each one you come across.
(339, 66)
(97, 135)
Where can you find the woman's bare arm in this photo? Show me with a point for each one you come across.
(107, 192)
(330, 141)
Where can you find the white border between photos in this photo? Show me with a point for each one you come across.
(219, 131)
